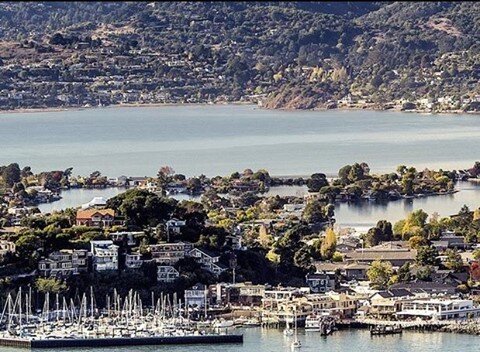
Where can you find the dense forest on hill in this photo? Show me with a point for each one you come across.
(284, 54)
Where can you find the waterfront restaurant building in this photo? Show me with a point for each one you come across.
(439, 309)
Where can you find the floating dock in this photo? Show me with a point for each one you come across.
(122, 341)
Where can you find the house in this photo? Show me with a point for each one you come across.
(345, 247)
(385, 304)
(350, 271)
(428, 287)
(95, 217)
(175, 226)
(235, 241)
(453, 240)
(320, 282)
(131, 237)
(397, 257)
(6, 247)
(105, 255)
(96, 202)
(133, 260)
(208, 259)
(440, 245)
(167, 274)
(63, 263)
(170, 253)
(441, 309)
(355, 271)
(196, 296)
(249, 293)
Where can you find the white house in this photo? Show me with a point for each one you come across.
(439, 309)
(208, 259)
(6, 247)
(105, 255)
(175, 225)
(96, 202)
(196, 296)
(130, 236)
(167, 274)
(64, 262)
(170, 253)
(133, 260)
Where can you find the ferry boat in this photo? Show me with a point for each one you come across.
(313, 323)
(320, 323)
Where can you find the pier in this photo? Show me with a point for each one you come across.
(117, 342)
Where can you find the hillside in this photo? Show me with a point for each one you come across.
(284, 55)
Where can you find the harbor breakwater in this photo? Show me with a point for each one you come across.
(124, 341)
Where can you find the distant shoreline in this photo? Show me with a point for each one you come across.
(239, 103)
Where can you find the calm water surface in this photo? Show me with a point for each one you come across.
(73, 198)
(258, 340)
(221, 139)
(361, 215)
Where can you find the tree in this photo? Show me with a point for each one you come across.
(379, 274)
(316, 182)
(264, 238)
(50, 285)
(380, 233)
(142, 208)
(401, 169)
(476, 254)
(329, 244)
(344, 173)
(303, 258)
(314, 212)
(416, 242)
(404, 274)
(454, 260)
(164, 177)
(11, 174)
(427, 255)
(423, 273)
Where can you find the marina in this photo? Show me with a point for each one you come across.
(122, 322)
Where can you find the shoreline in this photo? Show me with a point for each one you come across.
(233, 103)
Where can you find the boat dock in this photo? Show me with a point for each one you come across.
(123, 341)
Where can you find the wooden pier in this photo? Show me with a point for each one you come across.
(122, 341)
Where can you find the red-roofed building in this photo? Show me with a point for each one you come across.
(95, 217)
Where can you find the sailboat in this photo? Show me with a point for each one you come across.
(296, 342)
(287, 331)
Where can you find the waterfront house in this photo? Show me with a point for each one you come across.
(320, 282)
(438, 309)
(274, 295)
(96, 202)
(343, 305)
(64, 262)
(105, 255)
(196, 296)
(170, 253)
(385, 304)
(95, 217)
(167, 274)
(249, 293)
(208, 259)
(133, 260)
